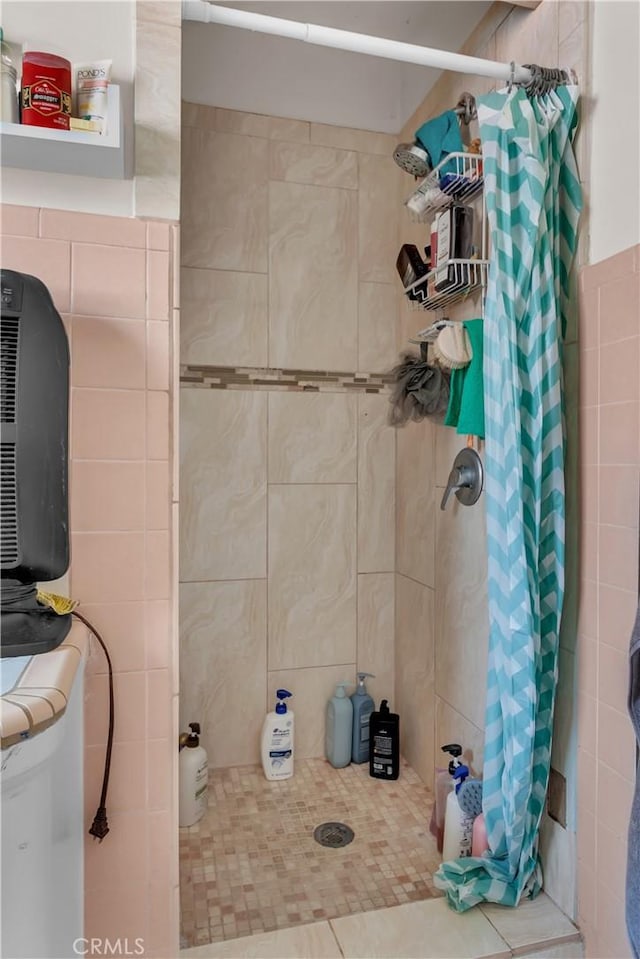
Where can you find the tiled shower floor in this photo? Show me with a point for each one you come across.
(251, 864)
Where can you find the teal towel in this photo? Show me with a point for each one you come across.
(466, 390)
(440, 137)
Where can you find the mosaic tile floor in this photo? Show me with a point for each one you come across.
(251, 864)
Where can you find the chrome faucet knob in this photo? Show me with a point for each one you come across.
(465, 479)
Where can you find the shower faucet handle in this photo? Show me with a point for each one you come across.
(457, 480)
(453, 483)
(465, 479)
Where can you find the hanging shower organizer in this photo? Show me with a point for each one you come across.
(458, 179)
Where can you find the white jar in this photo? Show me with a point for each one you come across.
(8, 94)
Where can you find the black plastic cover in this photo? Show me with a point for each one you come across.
(34, 423)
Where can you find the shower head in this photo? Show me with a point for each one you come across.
(412, 158)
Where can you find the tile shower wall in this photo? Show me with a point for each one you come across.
(610, 461)
(111, 280)
(288, 467)
(441, 556)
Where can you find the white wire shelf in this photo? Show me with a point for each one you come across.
(457, 179)
(464, 277)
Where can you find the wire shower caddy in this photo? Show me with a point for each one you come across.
(457, 179)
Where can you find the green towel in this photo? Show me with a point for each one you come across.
(466, 391)
(455, 397)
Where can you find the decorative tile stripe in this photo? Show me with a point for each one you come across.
(260, 378)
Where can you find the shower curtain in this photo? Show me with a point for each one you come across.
(533, 201)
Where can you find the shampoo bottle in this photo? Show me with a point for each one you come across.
(338, 730)
(362, 708)
(193, 775)
(444, 785)
(384, 755)
(458, 827)
(277, 740)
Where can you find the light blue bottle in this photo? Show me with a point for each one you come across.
(363, 706)
(338, 732)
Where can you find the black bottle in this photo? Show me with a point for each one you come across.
(410, 264)
(411, 267)
(384, 737)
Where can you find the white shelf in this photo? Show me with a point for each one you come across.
(67, 151)
(466, 276)
(457, 179)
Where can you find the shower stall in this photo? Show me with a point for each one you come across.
(312, 544)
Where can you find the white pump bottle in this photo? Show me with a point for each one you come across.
(194, 778)
(458, 827)
(276, 747)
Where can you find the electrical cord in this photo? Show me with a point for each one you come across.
(100, 826)
(13, 594)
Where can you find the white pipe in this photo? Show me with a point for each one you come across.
(355, 42)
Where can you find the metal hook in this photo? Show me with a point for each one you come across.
(512, 76)
(466, 108)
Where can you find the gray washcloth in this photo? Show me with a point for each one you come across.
(419, 389)
(633, 849)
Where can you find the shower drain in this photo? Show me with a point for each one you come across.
(333, 834)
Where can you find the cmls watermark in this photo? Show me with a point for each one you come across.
(108, 947)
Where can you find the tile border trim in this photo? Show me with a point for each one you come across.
(265, 378)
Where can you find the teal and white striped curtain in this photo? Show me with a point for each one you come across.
(533, 201)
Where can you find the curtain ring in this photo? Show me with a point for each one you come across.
(544, 80)
(533, 86)
(512, 76)
(535, 79)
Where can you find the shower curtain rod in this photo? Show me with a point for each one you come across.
(355, 42)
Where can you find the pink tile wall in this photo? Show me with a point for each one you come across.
(111, 279)
(610, 467)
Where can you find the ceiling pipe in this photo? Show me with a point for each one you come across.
(204, 12)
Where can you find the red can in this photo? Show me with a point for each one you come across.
(46, 90)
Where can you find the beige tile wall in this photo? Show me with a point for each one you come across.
(609, 469)
(287, 526)
(313, 276)
(111, 280)
(223, 523)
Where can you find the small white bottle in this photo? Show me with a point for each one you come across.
(276, 747)
(458, 826)
(194, 778)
